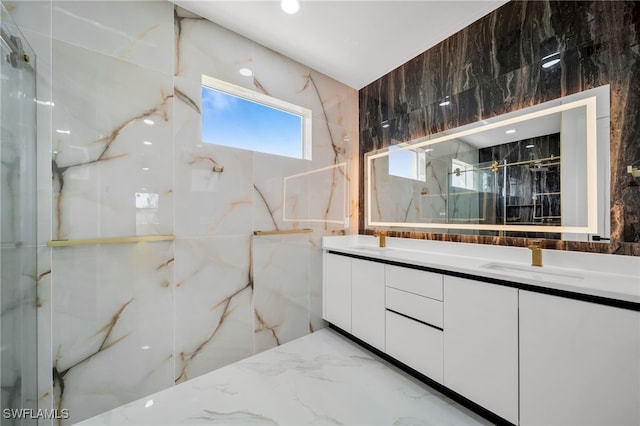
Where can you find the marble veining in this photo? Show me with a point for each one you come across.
(99, 133)
(214, 289)
(59, 372)
(321, 378)
(493, 66)
(119, 322)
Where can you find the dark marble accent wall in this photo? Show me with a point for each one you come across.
(493, 66)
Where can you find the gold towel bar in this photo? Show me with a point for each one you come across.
(287, 231)
(116, 240)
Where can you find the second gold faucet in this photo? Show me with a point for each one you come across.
(536, 252)
(383, 237)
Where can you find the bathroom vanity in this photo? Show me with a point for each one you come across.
(557, 344)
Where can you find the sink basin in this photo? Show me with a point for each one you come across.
(371, 249)
(534, 272)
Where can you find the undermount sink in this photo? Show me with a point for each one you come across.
(371, 249)
(534, 272)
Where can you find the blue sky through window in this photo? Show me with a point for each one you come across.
(237, 122)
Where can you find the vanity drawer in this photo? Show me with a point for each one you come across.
(416, 345)
(418, 307)
(424, 283)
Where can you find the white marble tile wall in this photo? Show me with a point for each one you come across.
(119, 322)
(213, 304)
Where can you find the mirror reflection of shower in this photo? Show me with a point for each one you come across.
(517, 182)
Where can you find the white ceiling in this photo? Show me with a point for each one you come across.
(355, 42)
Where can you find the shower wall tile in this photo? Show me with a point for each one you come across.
(112, 325)
(34, 20)
(316, 272)
(330, 102)
(331, 143)
(42, 46)
(44, 318)
(213, 304)
(136, 32)
(278, 76)
(31, 16)
(269, 172)
(208, 202)
(115, 323)
(104, 152)
(281, 277)
(203, 47)
(296, 198)
(18, 327)
(331, 187)
(330, 204)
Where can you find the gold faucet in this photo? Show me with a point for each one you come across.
(536, 252)
(383, 237)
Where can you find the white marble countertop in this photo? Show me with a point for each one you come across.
(610, 276)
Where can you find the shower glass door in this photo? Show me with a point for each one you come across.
(18, 344)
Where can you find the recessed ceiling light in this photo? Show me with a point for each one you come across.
(246, 72)
(64, 132)
(550, 60)
(550, 63)
(529, 146)
(145, 168)
(445, 103)
(290, 6)
(148, 143)
(147, 121)
(510, 131)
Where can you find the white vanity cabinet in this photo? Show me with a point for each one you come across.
(481, 344)
(414, 319)
(579, 362)
(336, 294)
(559, 347)
(367, 302)
(354, 297)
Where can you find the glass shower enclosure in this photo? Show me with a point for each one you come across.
(18, 272)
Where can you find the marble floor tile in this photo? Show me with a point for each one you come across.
(321, 378)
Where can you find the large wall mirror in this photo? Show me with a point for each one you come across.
(540, 172)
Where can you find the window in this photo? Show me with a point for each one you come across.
(461, 174)
(409, 164)
(241, 118)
